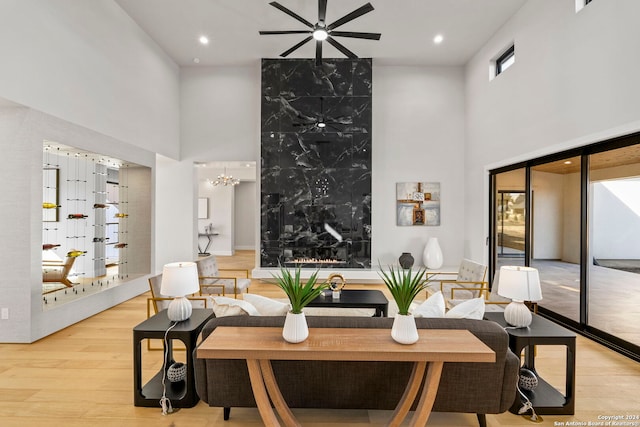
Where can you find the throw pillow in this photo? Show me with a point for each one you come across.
(393, 308)
(471, 309)
(432, 307)
(267, 306)
(224, 306)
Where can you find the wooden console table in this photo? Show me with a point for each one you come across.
(258, 346)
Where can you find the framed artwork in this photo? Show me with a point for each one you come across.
(418, 203)
(203, 208)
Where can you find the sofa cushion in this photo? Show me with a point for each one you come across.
(470, 309)
(223, 306)
(433, 307)
(267, 306)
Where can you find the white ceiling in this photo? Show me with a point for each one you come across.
(407, 27)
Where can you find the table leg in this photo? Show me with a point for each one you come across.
(429, 392)
(403, 407)
(260, 394)
(276, 396)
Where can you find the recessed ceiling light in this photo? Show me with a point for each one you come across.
(196, 60)
(568, 162)
(204, 40)
(438, 39)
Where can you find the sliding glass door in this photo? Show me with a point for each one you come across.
(510, 213)
(575, 216)
(614, 226)
(555, 234)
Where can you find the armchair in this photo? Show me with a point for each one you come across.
(58, 272)
(211, 282)
(469, 282)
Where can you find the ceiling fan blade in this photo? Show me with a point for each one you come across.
(291, 13)
(318, 53)
(322, 10)
(288, 51)
(350, 16)
(285, 32)
(355, 35)
(341, 48)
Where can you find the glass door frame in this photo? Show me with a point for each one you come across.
(582, 326)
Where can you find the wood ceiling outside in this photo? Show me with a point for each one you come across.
(608, 159)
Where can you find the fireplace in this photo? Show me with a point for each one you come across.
(316, 181)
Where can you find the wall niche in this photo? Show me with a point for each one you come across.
(96, 211)
(316, 163)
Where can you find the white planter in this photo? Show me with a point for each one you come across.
(432, 256)
(404, 330)
(295, 328)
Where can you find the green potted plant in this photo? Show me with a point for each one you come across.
(300, 294)
(404, 285)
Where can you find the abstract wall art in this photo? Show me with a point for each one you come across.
(418, 203)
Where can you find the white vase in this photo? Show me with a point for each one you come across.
(404, 330)
(432, 256)
(295, 328)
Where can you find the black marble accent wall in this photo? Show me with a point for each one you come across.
(316, 181)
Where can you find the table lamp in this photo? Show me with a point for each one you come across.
(178, 280)
(520, 284)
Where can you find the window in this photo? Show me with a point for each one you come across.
(506, 60)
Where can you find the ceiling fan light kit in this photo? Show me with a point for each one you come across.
(321, 32)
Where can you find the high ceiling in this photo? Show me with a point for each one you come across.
(407, 26)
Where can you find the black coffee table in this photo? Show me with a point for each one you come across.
(354, 298)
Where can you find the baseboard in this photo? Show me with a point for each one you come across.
(223, 253)
(245, 248)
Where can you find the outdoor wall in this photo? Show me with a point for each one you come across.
(615, 230)
(573, 83)
(570, 214)
(547, 215)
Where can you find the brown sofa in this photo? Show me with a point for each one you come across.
(480, 388)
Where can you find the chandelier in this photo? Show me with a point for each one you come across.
(224, 179)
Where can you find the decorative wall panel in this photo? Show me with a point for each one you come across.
(316, 180)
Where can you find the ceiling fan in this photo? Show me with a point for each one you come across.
(321, 122)
(320, 31)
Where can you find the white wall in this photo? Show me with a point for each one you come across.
(246, 214)
(574, 82)
(87, 62)
(418, 135)
(22, 132)
(93, 80)
(175, 202)
(220, 110)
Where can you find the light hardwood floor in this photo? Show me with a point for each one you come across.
(82, 376)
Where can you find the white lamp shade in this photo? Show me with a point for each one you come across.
(179, 279)
(519, 283)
